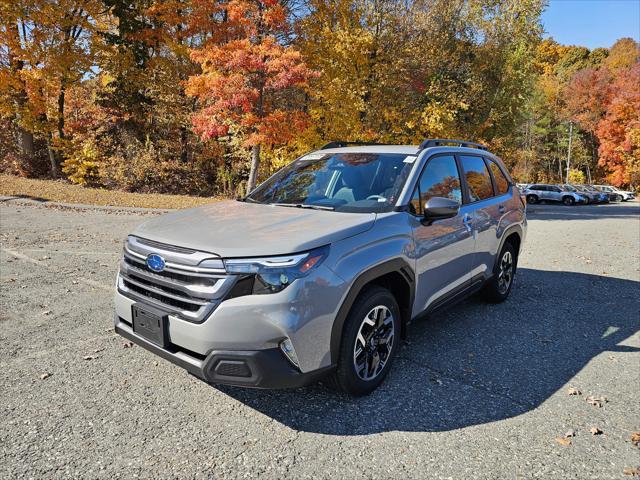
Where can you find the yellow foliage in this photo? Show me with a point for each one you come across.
(82, 163)
(577, 176)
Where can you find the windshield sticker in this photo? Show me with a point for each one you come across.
(410, 159)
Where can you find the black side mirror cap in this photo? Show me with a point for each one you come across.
(438, 208)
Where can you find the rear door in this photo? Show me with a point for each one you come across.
(555, 193)
(444, 248)
(487, 209)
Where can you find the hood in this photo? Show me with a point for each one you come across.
(240, 229)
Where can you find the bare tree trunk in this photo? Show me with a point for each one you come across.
(27, 148)
(27, 144)
(569, 151)
(255, 163)
(61, 111)
(52, 157)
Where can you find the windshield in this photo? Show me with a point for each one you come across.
(568, 188)
(362, 182)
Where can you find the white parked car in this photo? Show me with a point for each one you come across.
(616, 194)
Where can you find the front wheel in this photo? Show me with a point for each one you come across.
(532, 199)
(370, 340)
(498, 288)
(568, 200)
(617, 198)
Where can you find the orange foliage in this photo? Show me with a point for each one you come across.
(619, 130)
(244, 71)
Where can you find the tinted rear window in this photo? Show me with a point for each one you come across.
(477, 176)
(502, 184)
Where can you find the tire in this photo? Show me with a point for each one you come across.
(618, 198)
(568, 200)
(532, 199)
(495, 290)
(347, 378)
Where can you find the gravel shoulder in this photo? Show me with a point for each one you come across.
(479, 391)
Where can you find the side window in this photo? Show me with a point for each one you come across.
(477, 176)
(440, 178)
(502, 184)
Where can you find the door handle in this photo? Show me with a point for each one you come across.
(501, 208)
(466, 219)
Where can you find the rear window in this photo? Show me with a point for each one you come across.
(477, 176)
(502, 184)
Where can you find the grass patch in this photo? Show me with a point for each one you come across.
(61, 191)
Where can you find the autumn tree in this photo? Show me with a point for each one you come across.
(619, 129)
(248, 76)
(50, 51)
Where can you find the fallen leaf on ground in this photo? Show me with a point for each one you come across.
(574, 391)
(632, 471)
(98, 350)
(89, 357)
(635, 439)
(127, 345)
(570, 433)
(44, 376)
(595, 431)
(47, 312)
(596, 401)
(563, 441)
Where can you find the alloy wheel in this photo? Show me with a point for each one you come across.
(505, 275)
(374, 343)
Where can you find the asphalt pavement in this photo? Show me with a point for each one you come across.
(479, 391)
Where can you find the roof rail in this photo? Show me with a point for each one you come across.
(436, 142)
(341, 143)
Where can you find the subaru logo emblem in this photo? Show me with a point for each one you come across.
(155, 262)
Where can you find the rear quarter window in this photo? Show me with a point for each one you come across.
(501, 182)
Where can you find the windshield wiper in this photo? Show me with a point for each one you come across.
(303, 205)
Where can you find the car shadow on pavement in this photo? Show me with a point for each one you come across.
(476, 363)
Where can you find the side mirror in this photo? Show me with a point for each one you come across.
(438, 208)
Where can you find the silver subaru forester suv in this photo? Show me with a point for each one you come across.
(318, 271)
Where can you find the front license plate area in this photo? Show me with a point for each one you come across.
(151, 324)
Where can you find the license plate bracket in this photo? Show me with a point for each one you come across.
(151, 324)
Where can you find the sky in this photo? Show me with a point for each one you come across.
(592, 23)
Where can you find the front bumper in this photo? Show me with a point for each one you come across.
(266, 368)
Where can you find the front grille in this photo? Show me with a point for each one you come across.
(182, 288)
(162, 298)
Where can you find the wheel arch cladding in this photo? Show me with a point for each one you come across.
(512, 235)
(395, 275)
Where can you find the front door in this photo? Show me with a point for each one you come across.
(444, 248)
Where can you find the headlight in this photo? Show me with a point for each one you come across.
(273, 274)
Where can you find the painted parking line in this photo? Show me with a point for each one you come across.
(26, 258)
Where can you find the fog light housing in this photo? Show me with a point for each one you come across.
(287, 348)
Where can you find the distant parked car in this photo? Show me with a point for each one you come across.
(600, 196)
(615, 193)
(589, 197)
(539, 192)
